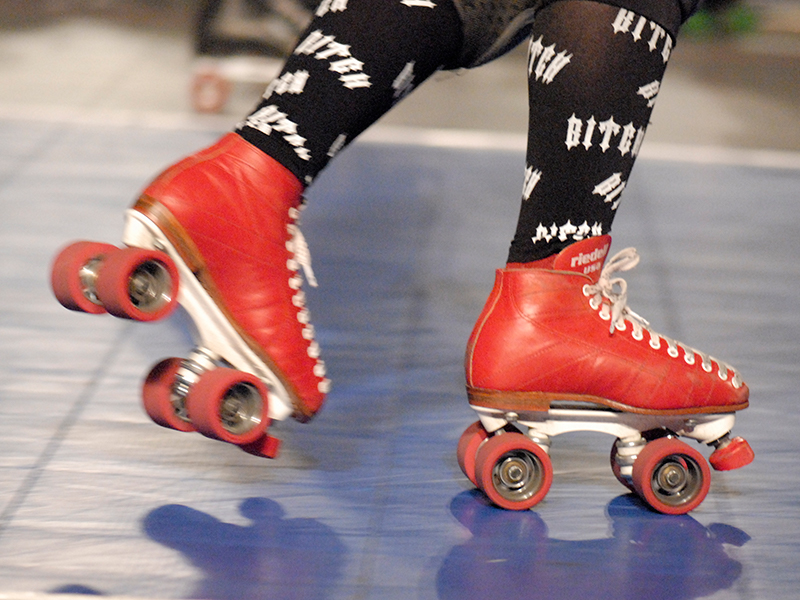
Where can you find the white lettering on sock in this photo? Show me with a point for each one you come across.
(649, 92)
(532, 177)
(543, 62)
(610, 189)
(325, 47)
(331, 6)
(418, 3)
(269, 119)
(404, 82)
(288, 83)
(659, 37)
(566, 232)
(627, 139)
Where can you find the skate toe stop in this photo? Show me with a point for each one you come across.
(266, 446)
(734, 455)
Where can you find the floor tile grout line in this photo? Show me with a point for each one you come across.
(60, 434)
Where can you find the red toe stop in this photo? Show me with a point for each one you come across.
(734, 455)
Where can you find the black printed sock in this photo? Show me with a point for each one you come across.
(594, 73)
(355, 61)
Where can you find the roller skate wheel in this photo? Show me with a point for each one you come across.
(229, 405)
(468, 445)
(161, 403)
(514, 472)
(734, 455)
(74, 272)
(671, 477)
(138, 284)
(210, 91)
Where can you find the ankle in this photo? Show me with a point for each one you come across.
(546, 263)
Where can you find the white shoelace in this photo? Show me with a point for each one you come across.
(301, 258)
(610, 296)
(302, 255)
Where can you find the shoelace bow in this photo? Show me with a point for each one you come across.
(614, 290)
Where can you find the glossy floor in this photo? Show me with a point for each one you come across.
(367, 500)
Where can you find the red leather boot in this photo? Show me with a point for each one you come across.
(565, 334)
(217, 234)
(230, 212)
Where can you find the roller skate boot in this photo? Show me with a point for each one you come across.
(555, 350)
(216, 233)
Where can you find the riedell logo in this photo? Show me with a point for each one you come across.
(592, 259)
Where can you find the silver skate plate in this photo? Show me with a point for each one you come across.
(704, 428)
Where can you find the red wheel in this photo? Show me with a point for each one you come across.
(74, 275)
(159, 399)
(229, 405)
(616, 469)
(210, 92)
(671, 477)
(514, 472)
(138, 284)
(468, 445)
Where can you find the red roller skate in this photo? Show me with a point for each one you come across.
(556, 350)
(217, 234)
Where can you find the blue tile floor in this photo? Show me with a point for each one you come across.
(367, 501)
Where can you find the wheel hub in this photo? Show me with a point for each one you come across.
(513, 472)
(672, 478)
(150, 287)
(241, 408)
(677, 480)
(88, 278)
(517, 475)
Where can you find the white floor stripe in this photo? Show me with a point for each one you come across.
(488, 140)
(456, 139)
(719, 155)
(462, 139)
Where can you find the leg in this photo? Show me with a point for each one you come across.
(592, 89)
(344, 75)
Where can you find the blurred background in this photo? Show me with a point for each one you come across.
(733, 81)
